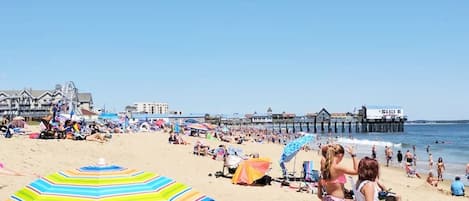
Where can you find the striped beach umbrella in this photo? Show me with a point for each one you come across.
(106, 183)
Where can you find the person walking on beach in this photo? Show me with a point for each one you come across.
(388, 156)
(441, 168)
(399, 157)
(415, 160)
(409, 157)
(373, 152)
(430, 161)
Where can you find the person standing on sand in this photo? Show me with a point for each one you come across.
(409, 157)
(467, 171)
(399, 157)
(441, 168)
(388, 156)
(430, 161)
(373, 152)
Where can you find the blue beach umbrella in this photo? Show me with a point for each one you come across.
(292, 148)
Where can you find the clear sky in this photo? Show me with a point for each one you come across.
(244, 56)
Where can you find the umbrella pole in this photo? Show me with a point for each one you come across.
(294, 167)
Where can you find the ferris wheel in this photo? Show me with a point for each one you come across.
(70, 97)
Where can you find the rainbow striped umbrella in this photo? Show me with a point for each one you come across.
(106, 183)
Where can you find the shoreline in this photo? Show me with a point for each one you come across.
(150, 151)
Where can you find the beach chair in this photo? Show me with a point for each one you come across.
(310, 177)
(230, 163)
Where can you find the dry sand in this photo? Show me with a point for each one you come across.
(151, 152)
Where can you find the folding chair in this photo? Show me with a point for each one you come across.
(310, 177)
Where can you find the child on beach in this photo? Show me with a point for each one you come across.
(333, 173)
(432, 180)
(411, 171)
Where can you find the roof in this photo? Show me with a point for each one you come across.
(87, 112)
(324, 110)
(262, 115)
(158, 116)
(378, 107)
(85, 97)
(33, 93)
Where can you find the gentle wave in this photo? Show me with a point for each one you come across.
(367, 142)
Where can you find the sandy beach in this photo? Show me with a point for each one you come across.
(151, 152)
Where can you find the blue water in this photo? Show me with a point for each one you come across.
(454, 150)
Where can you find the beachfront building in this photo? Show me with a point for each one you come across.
(261, 118)
(31, 103)
(383, 112)
(171, 118)
(152, 107)
(231, 119)
(381, 118)
(323, 116)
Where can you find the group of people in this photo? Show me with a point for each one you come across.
(333, 171)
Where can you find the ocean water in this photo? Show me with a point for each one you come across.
(454, 150)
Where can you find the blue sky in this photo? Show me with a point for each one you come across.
(244, 56)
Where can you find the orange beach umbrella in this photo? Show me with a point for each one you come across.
(251, 170)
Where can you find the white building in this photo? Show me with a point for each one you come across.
(152, 107)
(384, 112)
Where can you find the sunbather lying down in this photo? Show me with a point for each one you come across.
(97, 137)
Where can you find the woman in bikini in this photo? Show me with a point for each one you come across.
(441, 168)
(333, 173)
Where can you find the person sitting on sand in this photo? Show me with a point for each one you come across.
(200, 148)
(333, 173)
(180, 140)
(172, 138)
(457, 187)
(411, 171)
(432, 180)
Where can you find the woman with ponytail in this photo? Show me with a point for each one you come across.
(333, 172)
